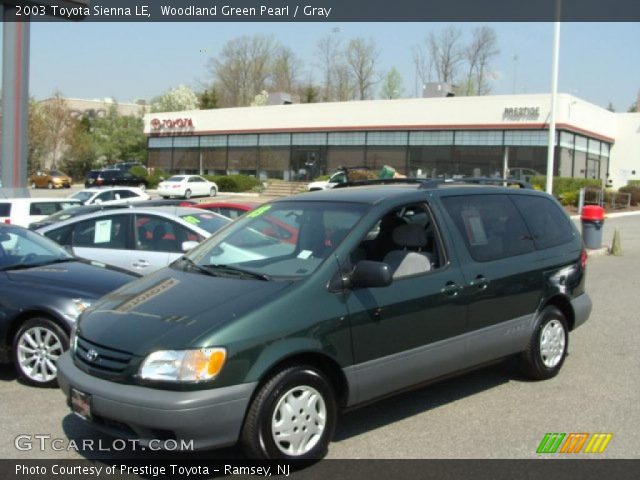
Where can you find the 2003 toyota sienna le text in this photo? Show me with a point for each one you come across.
(262, 335)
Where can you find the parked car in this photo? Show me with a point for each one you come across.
(339, 177)
(112, 178)
(86, 209)
(110, 196)
(23, 211)
(141, 240)
(229, 209)
(251, 338)
(187, 186)
(50, 179)
(43, 289)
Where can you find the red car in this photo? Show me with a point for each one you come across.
(229, 209)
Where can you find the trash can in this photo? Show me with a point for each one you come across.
(592, 222)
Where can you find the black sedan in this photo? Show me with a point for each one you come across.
(43, 290)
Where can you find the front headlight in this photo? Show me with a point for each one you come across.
(183, 365)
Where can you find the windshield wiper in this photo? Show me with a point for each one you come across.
(197, 267)
(239, 270)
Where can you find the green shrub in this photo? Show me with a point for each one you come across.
(633, 183)
(569, 199)
(234, 183)
(154, 179)
(139, 171)
(563, 185)
(634, 190)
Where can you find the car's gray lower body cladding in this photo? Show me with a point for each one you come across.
(211, 418)
(382, 376)
(581, 309)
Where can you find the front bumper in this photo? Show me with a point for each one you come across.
(211, 418)
(581, 309)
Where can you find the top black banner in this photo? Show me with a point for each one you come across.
(323, 10)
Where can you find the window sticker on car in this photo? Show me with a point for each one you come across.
(258, 211)
(304, 254)
(102, 233)
(473, 226)
(191, 219)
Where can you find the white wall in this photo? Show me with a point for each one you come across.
(625, 154)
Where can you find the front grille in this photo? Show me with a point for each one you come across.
(101, 358)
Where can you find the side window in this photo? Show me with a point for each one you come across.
(102, 232)
(158, 234)
(491, 226)
(43, 208)
(5, 209)
(120, 194)
(61, 236)
(405, 238)
(105, 196)
(548, 224)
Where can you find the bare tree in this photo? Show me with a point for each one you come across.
(361, 57)
(479, 53)
(243, 69)
(423, 64)
(330, 57)
(344, 88)
(285, 68)
(446, 53)
(57, 121)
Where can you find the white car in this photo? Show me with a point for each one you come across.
(23, 211)
(140, 240)
(338, 177)
(187, 186)
(110, 196)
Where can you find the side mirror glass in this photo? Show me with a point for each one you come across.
(369, 274)
(189, 245)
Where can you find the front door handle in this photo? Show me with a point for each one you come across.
(480, 282)
(451, 288)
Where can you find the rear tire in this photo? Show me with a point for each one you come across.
(548, 346)
(36, 348)
(293, 416)
(33, 185)
(187, 194)
(50, 186)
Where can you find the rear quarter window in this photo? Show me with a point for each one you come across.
(43, 208)
(491, 226)
(548, 223)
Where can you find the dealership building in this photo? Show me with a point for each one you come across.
(425, 137)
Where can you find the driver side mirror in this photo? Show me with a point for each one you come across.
(189, 245)
(369, 274)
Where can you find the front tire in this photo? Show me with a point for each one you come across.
(213, 192)
(50, 186)
(548, 346)
(37, 346)
(33, 185)
(293, 416)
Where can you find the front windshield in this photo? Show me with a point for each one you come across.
(286, 239)
(21, 248)
(210, 222)
(83, 196)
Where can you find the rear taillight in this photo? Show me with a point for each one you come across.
(7, 220)
(583, 258)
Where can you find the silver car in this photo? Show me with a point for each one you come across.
(141, 240)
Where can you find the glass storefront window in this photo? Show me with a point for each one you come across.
(395, 157)
(243, 161)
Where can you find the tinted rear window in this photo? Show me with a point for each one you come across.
(5, 209)
(548, 224)
(491, 226)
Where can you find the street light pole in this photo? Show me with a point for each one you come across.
(552, 112)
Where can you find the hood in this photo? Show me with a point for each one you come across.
(75, 278)
(171, 309)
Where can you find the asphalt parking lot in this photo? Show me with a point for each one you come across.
(490, 413)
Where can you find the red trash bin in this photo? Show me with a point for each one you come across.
(592, 220)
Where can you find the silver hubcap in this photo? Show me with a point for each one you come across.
(299, 420)
(552, 343)
(38, 351)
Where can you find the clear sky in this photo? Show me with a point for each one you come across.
(599, 62)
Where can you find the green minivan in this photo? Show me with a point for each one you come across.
(323, 301)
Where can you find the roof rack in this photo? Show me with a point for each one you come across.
(436, 182)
